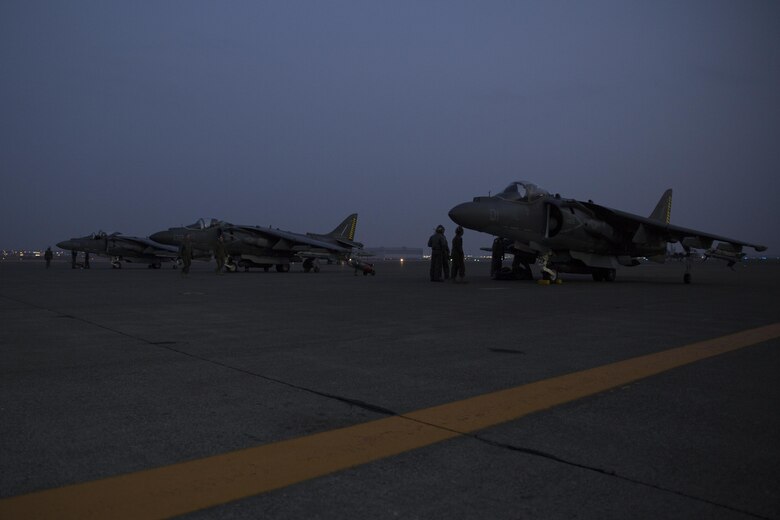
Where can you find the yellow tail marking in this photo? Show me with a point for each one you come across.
(352, 228)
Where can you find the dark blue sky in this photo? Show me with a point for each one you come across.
(136, 116)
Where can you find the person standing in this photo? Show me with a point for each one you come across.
(48, 255)
(86, 259)
(497, 257)
(185, 252)
(445, 258)
(73, 255)
(458, 258)
(220, 253)
(438, 245)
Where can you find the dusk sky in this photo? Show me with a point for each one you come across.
(136, 116)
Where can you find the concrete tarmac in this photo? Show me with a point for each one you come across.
(109, 372)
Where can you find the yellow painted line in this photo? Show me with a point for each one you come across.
(190, 486)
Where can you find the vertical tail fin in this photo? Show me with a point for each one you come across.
(346, 229)
(663, 210)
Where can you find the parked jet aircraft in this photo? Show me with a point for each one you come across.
(568, 235)
(123, 248)
(254, 246)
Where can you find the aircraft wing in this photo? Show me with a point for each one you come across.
(289, 240)
(636, 224)
(150, 247)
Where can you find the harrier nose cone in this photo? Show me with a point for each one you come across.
(464, 215)
(161, 237)
(66, 244)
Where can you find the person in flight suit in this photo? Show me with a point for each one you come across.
(458, 258)
(220, 253)
(185, 252)
(48, 255)
(497, 258)
(445, 259)
(438, 245)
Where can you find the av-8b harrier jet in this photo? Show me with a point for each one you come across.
(568, 235)
(255, 246)
(121, 247)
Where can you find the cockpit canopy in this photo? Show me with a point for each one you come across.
(522, 191)
(97, 236)
(204, 224)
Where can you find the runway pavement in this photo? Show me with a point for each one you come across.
(139, 393)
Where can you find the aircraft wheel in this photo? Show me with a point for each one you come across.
(610, 275)
(687, 278)
(282, 268)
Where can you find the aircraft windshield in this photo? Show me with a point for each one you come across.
(522, 191)
(204, 224)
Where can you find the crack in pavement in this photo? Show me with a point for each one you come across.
(381, 410)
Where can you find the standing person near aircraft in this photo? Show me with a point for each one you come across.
(185, 251)
(73, 255)
(497, 256)
(86, 259)
(458, 258)
(438, 245)
(48, 255)
(445, 258)
(220, 253)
